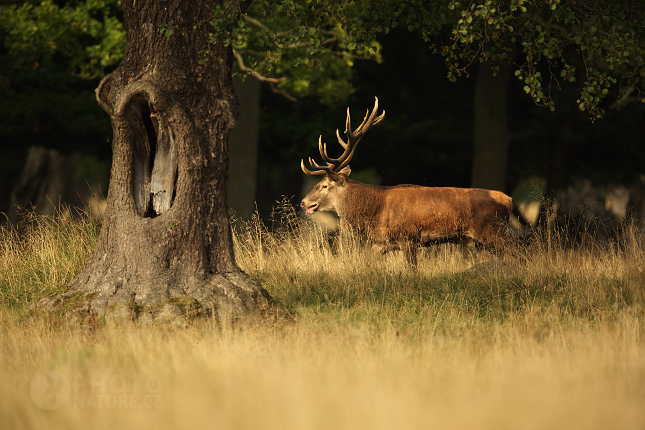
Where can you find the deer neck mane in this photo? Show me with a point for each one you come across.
(361, 203)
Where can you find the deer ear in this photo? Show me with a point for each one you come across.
(333, 176)
(346, 170)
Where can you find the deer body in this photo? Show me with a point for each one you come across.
(404, 216)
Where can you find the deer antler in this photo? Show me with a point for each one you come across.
(353, 137)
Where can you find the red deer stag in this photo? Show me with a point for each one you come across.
(403, 216)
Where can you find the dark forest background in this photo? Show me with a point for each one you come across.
(426, 139)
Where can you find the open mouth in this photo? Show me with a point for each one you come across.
(312, 208)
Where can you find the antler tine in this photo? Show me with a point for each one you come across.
(353, 137)
(340, 140)
(372, 123)
(322, 148)
(367, 122)
(336, 163)
(316, 166)
(379, 118)
(367, 114)
(309, 172)
(347, 160)
(348, 125)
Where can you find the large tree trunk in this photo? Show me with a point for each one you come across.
(491, 129)
(165, 249)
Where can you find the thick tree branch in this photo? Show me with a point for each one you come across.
(256, 75)
(261, 26)
(101, 93)
(270, 81)
(282, 92)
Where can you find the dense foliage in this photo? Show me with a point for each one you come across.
(52, 56)
(548, 40)
(88, 34)
(583, 54)
(607, 38)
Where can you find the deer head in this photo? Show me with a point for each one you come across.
(325, 194)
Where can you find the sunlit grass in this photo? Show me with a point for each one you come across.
(369, 343)
(42, 255)
(304, 270)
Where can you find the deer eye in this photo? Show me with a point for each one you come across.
(324, 186)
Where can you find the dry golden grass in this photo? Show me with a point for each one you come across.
(42, 255)
(372, 344)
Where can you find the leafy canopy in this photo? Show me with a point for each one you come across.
(309, 47)
(301, 48)
(602, 43)
(86, 35)
(51, 55)
(606, 39)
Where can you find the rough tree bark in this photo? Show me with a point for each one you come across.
(165, 250)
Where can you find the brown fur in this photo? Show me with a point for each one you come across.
(406, 215)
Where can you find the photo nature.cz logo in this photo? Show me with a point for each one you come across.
(51, 390)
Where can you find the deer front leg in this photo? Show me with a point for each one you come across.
(409, 249)
(378, 248)
(384, 248)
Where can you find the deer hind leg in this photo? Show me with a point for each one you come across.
(409, 249)
(467, 246)
(484, 244)
(489, 253)
(491, 243)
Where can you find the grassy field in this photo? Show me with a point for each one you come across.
(368, 343)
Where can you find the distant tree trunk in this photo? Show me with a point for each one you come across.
(243, 145)
(165, 251)
(49, 183)
(491, 130)
(41, 182)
